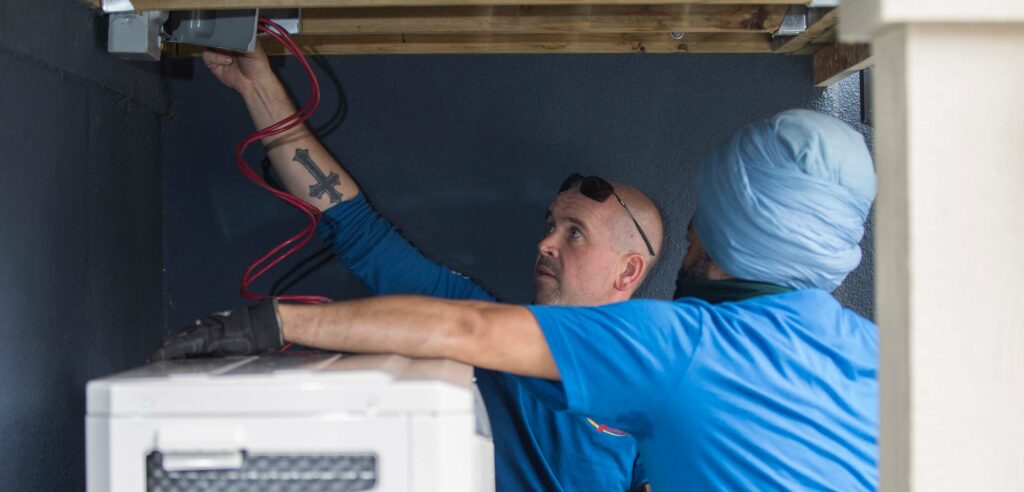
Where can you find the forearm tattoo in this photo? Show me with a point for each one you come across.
(324, 184)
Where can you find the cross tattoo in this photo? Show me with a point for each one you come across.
(324, 184)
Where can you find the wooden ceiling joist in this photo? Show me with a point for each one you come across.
(247, 4)
(378, 44)
(837, 61)
(358, 27)
(546, 19)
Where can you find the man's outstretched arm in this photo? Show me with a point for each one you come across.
(483, 334)
(495, 336)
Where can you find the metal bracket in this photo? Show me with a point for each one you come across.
(867, 99)
(290, 19)
(111, 6)
(794, 23)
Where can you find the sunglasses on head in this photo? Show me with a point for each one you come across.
(599, 190)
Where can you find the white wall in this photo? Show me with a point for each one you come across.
(949, 114)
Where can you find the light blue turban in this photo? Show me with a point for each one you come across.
(785, 200)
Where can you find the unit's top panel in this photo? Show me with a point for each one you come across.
(295, 382)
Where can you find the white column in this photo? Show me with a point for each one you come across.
(949, 116)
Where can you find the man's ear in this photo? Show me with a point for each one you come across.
(632, 273)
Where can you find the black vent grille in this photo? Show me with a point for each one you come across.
(270, 473)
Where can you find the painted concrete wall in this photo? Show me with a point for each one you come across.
(80, 255)
(464, 154)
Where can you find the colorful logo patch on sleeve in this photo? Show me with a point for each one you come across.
(611, 431)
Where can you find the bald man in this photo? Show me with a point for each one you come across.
(754, 378)
(602, 238)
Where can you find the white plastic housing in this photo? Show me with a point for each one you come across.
(416, 416)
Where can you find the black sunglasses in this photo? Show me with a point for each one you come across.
(599, 190)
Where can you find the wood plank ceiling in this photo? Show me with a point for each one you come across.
(344, 27)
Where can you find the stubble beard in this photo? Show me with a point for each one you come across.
(700, 270)
(550, 297)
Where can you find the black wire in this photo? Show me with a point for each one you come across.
(306, 267)
(313, 262)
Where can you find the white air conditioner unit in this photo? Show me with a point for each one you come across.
(304, 421)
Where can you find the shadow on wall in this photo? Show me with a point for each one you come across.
(843, 100)
(81, 288)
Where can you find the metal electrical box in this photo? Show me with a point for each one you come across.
(136, 36)
(140, 35)
(233, 29)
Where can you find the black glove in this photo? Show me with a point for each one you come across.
(243, 331)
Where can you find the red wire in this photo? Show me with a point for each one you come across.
(300, 239)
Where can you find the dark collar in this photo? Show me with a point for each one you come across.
(718, 291)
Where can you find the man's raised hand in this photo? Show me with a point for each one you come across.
(239, 70)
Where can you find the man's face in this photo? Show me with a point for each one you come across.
(576, 261)
(697, 265)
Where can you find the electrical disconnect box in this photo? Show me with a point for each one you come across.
(140, 35)
(136, 36)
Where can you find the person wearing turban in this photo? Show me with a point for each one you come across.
(785, 201)
(754, 378)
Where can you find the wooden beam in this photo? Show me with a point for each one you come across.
(536, 43)
(837, 61)
(247, 4)
(545, 19)
(821, 28)
(370, 44)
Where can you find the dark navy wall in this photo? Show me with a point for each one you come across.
(464, 153)
(461, 152)
(80, 208)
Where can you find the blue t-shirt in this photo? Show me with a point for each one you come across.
(777, 392)
(535, 448)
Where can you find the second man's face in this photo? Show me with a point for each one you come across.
(576, 263)
(697, 264)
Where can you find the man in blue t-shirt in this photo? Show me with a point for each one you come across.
(591, 255)
(755, 378)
